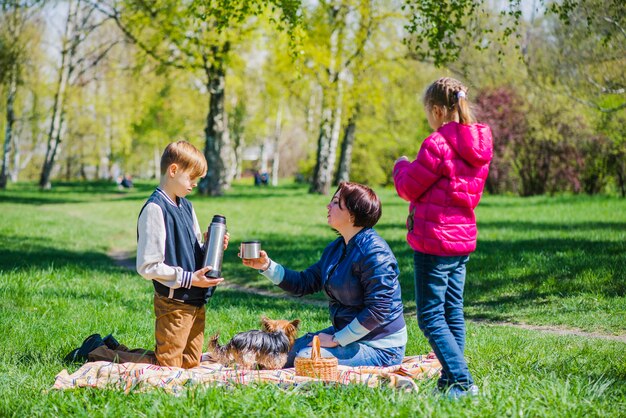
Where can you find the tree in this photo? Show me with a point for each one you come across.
(503, 109)
(198, 36)
(592, 30)
(14, 47)
(330, 67)
(80, 24)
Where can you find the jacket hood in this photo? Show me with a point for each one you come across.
(473, 142)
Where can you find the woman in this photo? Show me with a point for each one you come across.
(359, 275)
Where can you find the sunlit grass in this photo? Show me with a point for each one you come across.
(547, 261)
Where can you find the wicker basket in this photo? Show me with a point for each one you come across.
(324, 368)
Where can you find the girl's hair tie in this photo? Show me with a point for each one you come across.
(460, 94)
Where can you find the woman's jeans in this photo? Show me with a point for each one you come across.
(353, 354)
(439, 283)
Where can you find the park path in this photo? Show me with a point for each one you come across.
(126, 260)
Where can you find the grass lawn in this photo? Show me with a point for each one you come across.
(552, 261)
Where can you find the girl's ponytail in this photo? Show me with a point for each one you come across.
(466, 116)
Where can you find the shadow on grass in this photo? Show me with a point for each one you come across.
(73, 192)
(509, 274)
(24, 253)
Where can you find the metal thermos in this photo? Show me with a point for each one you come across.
(214, 246)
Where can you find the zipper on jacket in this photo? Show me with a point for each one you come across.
(332, 271)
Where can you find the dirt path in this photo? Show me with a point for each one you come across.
(124, 259)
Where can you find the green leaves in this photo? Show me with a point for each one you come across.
(225, 13)
(436, 27)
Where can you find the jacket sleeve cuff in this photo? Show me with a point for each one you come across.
(354, 331)
(275, 272)
(398, 166)
(186, 279)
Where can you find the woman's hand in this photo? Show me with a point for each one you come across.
(261, 263)
(326, 340)
(199, 279)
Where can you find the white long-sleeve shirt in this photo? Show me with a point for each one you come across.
(151, 248)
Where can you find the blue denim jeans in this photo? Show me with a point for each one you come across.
(439, 283)
(353, 354)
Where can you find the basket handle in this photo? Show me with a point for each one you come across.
(315, 352)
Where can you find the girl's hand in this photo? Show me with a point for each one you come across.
(199, 279)
(403, 158)
(326, 340)
(261, 263)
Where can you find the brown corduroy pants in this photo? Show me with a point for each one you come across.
(179, 334)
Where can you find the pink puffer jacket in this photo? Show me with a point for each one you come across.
(444, 184)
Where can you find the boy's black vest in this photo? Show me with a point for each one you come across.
(182, 248)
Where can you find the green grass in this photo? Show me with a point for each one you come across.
(546, 261)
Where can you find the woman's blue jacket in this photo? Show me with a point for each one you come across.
(360, 280)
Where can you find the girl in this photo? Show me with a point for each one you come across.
(443, 186)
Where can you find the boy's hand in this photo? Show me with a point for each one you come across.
(261, 263)
(226, 239)
(199, 279)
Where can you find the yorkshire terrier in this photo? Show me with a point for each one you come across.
(263, 349)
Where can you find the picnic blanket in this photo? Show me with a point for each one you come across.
(142, 377)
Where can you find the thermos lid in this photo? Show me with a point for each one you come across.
(254, 241)
(220, 219)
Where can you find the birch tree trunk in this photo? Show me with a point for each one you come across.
(57, 117)
(277, 132)
(345, 158)
(237, 132)
(14, 24)
(239, 144)
(330, 119)
(10, 121)
(263, 156)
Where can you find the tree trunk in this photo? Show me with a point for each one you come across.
(277, 132)
(330, 123)
(18, 164)
(321, 174)
(217, 148)
(263, 157)
(156, 160)
(345, 159)
(56, 122)
(10, 121)
(239, 144)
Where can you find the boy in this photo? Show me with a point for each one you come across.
(169, 254)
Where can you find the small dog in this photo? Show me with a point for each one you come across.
(263, 349)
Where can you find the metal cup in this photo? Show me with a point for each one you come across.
(250, 249)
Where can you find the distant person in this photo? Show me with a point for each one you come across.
(358, 273)
(444, 185)
(261, 179)
(265, 178)
(127, 181)
(169, 254)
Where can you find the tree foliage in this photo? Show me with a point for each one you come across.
(300, 84)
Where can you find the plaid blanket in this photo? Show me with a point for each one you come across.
(141, 377)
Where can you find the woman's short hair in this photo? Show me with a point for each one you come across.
(186, 156)
(361, 202)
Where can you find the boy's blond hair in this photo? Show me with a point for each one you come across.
(186, 156)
